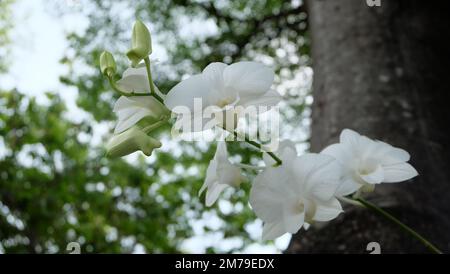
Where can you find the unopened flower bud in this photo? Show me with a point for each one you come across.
(141, 46)
(107, 64)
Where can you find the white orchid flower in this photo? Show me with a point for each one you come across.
(221, 173)
(367, 162)
(300, 191)
(131, 109)
(221, 86)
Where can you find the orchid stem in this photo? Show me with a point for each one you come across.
(257, 145)
(350, 201)
(150, 81)
(129, 94)
(406, 228)
(122, 92)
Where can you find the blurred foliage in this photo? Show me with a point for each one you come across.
(5, 25)
(56, 186)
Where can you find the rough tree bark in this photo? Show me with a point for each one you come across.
(383, 71)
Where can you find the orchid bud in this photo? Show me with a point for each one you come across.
(141, 46)
(131, 141)
(107, 64)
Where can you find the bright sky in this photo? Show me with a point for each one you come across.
(38, 45)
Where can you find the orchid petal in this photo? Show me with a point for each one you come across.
(399, 172)
(272, 231)
(248, 78)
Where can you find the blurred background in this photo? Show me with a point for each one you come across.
(57, 186)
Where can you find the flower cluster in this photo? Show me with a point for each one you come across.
(307, 188)
(291, 191)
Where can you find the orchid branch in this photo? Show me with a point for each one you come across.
(396, 221)
(150, 81)
(122, 92)
(255, 144)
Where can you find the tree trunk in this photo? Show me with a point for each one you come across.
(382, 71)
